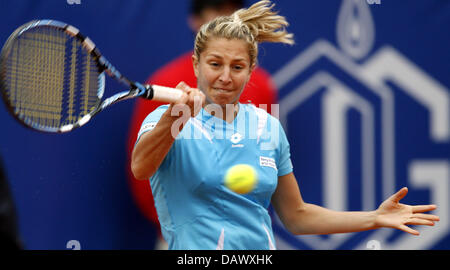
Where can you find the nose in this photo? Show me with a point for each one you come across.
(225, 76)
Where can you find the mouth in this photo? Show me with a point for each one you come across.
(221, 90)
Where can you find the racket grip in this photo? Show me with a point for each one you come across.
(164, 94)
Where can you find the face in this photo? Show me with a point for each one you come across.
(223, 69)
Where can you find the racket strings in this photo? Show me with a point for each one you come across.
(51, 80)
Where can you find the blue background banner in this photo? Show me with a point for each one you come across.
(364, 98)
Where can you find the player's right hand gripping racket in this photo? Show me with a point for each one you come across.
(52, 78)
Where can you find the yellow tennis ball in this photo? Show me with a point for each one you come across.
(241, 178)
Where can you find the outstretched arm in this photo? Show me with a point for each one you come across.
(300, 217)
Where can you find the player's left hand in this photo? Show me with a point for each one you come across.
(393, 214)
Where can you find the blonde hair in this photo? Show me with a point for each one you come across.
(259, 23)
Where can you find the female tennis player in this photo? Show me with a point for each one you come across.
(186, 147)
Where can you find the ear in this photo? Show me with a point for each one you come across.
(195, 64)
(250, 71)
(253, 66)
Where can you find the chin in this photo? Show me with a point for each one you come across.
(222, 101)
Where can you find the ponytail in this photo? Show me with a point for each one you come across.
(257, 24)
(264, 23)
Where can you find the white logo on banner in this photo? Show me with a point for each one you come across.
(355, 36)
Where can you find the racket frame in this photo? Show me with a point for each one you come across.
(104, 66)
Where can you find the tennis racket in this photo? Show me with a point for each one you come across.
(52, 78)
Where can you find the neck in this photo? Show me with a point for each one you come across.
(226, 112)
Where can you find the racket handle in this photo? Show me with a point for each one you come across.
(164, 94)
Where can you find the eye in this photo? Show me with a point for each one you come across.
(214, 64)
(239, 67)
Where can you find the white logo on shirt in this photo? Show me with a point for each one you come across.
(147, 127)
(235, 138)
(267, 162)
